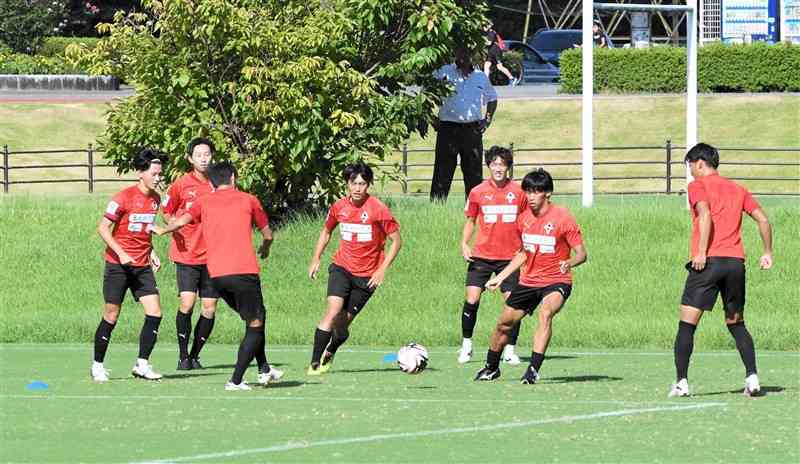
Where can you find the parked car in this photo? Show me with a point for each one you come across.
(535, 68)
(551, 42)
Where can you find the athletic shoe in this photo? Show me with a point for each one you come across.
(196, 363)
(509, 357)
(464, 356)
(230, 386)
(514, 81)
(313, 370)
(184, 365)
(98, 372)
(530, 377)
(751, 385)
(145, 371)
(679, 389)
(265, 378)
(487, 374)
(327, 363)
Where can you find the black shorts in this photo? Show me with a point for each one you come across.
(242, 292)
(494, 54)
(117, 279)
(480, 270)
(352, 289)
(194, 278)
(720, 276)
(528, 298)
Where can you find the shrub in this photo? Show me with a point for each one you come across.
(56, 46)
(21, 63)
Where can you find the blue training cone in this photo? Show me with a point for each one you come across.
(391, 357)
(36, 385)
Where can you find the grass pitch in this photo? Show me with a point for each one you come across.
(590, 406)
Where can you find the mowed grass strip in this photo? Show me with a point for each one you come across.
(626, 295)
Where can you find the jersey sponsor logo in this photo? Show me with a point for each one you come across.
(112, 207)
(143, 218)
(355, 232)
(135, 226)
(547, 244)
(506, 213)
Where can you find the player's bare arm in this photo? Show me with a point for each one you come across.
(579, 257)
(466, 236)
(704, 223)
(322, 242)
(263, 250)
(174, 224)
(765, 230)
(377, 277)
(104, 229)
(516, 263)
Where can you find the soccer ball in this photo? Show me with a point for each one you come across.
(412, 358)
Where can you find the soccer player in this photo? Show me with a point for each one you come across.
(226, 217)
(188, 251)
(717, 262)
(494, 205)
(359, 264)
(551, 247)
(125, 228)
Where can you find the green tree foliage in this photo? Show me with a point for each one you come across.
(25, 23)
(290, 90)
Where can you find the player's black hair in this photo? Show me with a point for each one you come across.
(200, 141)
(359, 168)
(147, 156)
(503, 153)
(537, 180)
(705, 152)
(220, 173)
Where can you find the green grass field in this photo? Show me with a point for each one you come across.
(589, 407)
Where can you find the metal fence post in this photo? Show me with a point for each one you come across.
(90, 164)
(511, 169)
(669, 165)
(5, 168)
(405, 168)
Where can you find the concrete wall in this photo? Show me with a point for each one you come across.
(57, 82)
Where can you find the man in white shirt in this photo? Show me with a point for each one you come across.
(461, 125)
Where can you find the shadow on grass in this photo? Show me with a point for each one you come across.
(188, 375)
(231, 366)
(382, 369)
(549, 358)
(582, 378)
(764, 391)
(289, 384)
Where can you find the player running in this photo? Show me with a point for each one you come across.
(188, 251)
(494, 205)
(717, 262)
(359, 264)
(126, 229)
(551, 247)
(226, 217)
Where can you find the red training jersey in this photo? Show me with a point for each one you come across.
(726, 200)
(497, 210)
(133, 214)
(547, 240)
(226, 220)
(363, 231)
(187, 245)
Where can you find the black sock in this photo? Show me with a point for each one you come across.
(684, 344)
(261, 355)
(744, 343)
(321, 340)
(469, 316)
(514, 335)
(536, 360)
(337, 340)
(253, 338)
(183, 326)
(493, 359)
(148, 336)
(201, 333)
(102, 337)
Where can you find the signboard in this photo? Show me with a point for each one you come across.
(747, 20)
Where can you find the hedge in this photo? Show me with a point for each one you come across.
(20, 63)
(56, 46)
(758, 67)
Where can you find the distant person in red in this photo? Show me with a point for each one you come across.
(188, 251)
(551, 247)
(359, 264)
(492, 208)
(227, 217)
(126, 229)
(717, 262)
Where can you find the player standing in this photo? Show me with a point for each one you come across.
(188, 251)
(126, 229)
(551, 246)
(717, 262)
(494, 205)
(359, 264)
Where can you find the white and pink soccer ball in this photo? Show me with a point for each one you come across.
(412, 358)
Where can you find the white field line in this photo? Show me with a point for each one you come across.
(427, 433)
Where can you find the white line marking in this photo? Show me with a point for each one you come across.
(426, 433)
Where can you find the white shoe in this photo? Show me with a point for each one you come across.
(751, 385)
(144, 370)
(265, 378)
(230, 386)
(514, 82)
(509, 357)
(679, 389)
(98, 372)
(464, 355)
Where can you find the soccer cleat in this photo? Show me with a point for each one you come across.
(184, 365)
(509, 357)
(145, 371)
(751, 385)
(265, 378)
(679, 389)
(327, 362)
(514, 82)
(230, 386)
(530, 377)
(464, 356)
(313, 370)
(98, 372)
(195, 363)
(487, 374)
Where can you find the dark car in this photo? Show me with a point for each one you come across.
(551, 42)
(535, 67)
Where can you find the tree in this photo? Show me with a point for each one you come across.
(25, 23)
(289, 90)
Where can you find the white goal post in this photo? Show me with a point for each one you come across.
(588, 79)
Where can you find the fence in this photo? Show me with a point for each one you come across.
(664, 169)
